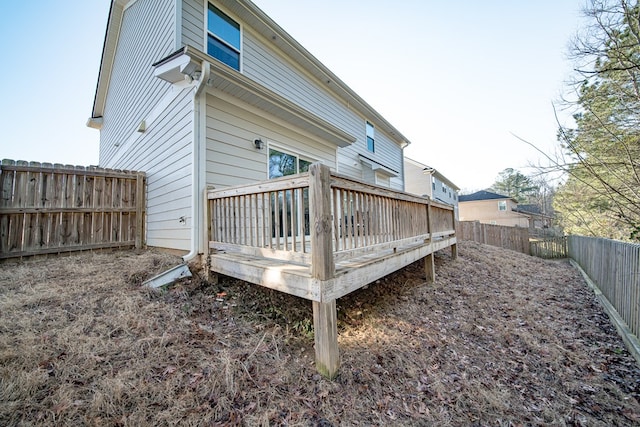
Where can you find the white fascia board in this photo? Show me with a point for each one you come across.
(110, 43)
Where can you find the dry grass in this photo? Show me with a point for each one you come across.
(500, 339)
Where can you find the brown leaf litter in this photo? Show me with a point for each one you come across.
(501, 339)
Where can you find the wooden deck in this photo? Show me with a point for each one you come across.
(320, 236)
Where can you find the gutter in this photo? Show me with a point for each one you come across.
(197, 170)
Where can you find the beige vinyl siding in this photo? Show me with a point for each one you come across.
(268, 67)
(147, 35)
(193, 24)
(164, 153)
(264, 65)
(417, 182)
(231, 129)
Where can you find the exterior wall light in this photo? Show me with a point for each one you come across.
(258, 144)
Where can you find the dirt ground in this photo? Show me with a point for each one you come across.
(501, 339)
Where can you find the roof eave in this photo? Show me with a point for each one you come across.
(189, 60)
(112, 33)
(356, 101)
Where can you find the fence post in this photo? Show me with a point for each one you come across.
(325, 319)
(140, 204)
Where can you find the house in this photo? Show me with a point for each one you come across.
(491, 208)
(426, 181)
(207, 94)
(538, 219)
(257, 156)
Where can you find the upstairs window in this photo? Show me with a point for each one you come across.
(371, 143)
(223, 37)
(502, 205)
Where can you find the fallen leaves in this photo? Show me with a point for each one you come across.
(522, 344)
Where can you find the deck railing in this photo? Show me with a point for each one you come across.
(320, 219)
(275, 218)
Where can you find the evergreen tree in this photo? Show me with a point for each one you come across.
(514, 184)
(601, 196)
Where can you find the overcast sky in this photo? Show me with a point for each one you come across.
(457, 78)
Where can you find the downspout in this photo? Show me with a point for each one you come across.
(404, 178)
(197, 170)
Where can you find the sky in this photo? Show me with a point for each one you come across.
(457, 78)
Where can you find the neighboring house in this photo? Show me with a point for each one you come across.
(537, 218)
(491, 208)
(214, 93)
(425, 181)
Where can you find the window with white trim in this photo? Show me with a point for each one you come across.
(283, 164)
(502, 205)
(371, 142)
(223, 37)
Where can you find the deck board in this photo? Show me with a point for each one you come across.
(296, 279)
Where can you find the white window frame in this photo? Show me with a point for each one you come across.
(206, 33)
(290, 152)
(502, 205)
(293, 153)
(368, 125)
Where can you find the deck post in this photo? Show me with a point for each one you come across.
(430, 268)
(429, 224)
(325, 325)
(323, 268)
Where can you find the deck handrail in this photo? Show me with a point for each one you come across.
(277, 218)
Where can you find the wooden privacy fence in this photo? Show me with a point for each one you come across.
(514, 238)
(47, 208)
(549, 247)
(615, 268)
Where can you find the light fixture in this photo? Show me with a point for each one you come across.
(258, 144)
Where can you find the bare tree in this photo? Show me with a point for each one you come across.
(600, 155)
